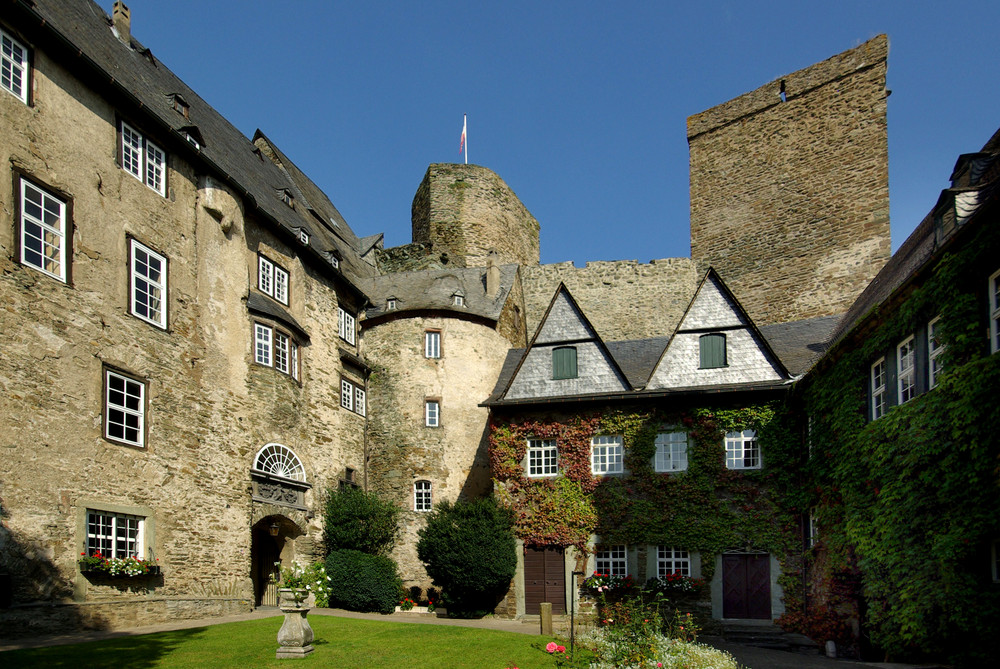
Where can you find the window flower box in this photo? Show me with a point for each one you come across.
(128, 567)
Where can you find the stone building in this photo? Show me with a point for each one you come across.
(196, 344)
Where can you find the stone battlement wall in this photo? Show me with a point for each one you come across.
(790, 197)
(462, 212)
(623, 299)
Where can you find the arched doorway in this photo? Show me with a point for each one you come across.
(265, 551)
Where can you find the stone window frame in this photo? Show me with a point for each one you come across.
(346, 326)
(545, 464)
(743, 450)
(906, 370)
(272, 279)
(611, 559)
(664, 459)
(29, 223)
(607, 454)
(423, 496)
(432, 412)
(144, 513)
(10, 65)
(672, 560)
(878, 383)
(432, 344)
(353, 396)
(993, 293)
(137, 278)
(268, 350)
(112, 406)
(142, 158)
(934, 351)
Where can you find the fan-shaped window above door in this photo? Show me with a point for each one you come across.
(279, 477)
(278, 460)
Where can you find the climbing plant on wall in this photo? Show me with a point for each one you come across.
(706, 508)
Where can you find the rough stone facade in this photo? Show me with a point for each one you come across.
(623, 300)
(790, 189)
(466, 212)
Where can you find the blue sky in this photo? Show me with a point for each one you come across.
(579, 106)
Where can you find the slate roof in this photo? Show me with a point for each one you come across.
(144, 89)
(435, 289)
(799, 344)
(637, 357)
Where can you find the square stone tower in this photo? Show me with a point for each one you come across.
(790, 187)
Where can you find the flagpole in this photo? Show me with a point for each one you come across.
(466, 136)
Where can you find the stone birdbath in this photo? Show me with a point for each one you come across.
(295, 636)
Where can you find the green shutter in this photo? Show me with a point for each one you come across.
(564, 363)
(713, 350)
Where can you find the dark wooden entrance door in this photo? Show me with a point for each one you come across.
(746, 586)
(544, 579)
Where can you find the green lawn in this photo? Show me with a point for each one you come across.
(340, 642)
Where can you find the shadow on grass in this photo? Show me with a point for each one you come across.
(127, 652)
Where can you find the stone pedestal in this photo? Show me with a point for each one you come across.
(295, 636)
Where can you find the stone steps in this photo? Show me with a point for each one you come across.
(769, 636)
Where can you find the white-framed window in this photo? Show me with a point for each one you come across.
(671, 452)
(543, 458)
(304, 237)
(43, 231)
(124, 408)
(994, 296)
(143, 159)
(934, 350)
(279, 460)
(432, 344)
(607, 455)
(272, 279)
(390, 304)
(148, 284)
(906, 372)
(672, 561)
(458, 299)
(346, 325)
(611, 560)
(432, 413)
(742, 450)
(877, 381)
(115, 535)
(422, 500)
(14, 67)
(277, 349)
(352, 396)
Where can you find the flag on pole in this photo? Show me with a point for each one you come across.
(461, 144)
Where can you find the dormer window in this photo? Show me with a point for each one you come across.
(287, 197)
(458, 299)
(304, 237)
(181, 107)
(390, 304)
(335, 261)
(712, 351)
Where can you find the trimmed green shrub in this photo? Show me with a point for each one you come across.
(360, 521)
(363, 582)
(469, 550)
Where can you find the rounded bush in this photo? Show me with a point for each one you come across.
(363, 582)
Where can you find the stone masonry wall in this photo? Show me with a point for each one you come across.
(790, 199)
(622, 300)
(466, 211)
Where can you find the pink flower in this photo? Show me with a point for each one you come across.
(551, 647)
(659, 664)
(560, 649)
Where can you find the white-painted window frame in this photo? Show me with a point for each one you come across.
(276, 348)
(607, 454)
(115, 535)
(877, 381)
(612, 560)
(43, 231)
(432, 413)
(272, 279)
(423, 496)
(671, 451)
(742, 450)
(143, 159)
(542, 458)
(15, 70)
(934, 350)
(671, 560)
(147, 284)
(124, 409)
(432, 344)
(346, 326)
(906, 370)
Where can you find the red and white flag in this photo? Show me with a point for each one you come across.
(461, 144)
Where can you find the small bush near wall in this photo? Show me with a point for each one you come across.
(359, 520)
(363, 582)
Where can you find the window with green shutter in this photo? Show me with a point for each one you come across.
(713, 350)
(564, 362)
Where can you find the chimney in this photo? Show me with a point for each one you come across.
(492, 275)
(122, 21)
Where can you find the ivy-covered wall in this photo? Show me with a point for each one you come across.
(908, 504)
(706, 508)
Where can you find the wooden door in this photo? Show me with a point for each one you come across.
(544, 579)
(746, 586)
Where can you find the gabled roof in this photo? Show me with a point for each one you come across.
(78, 35)
(584, 333)
(690, 323)
(799, 344)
